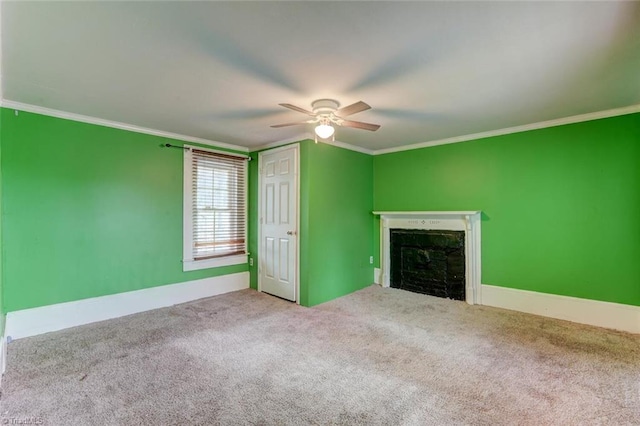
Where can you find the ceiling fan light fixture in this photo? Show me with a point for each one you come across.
(324, 130)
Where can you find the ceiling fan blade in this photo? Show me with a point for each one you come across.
(295, 108)
(352, 109)
(360, 125)
(289, 124)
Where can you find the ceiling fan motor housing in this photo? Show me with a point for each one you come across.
(325, 106)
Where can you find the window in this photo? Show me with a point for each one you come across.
(215, 194)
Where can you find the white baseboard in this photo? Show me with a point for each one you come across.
(592, 312)
(44, 319)
(376, 276)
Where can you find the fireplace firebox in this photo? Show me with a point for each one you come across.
(429, 261)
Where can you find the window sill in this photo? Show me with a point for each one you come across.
(194, 265)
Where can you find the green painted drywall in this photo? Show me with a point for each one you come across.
(305, 241)
(335, 221)
(252, 220)
(88, 211)
(338, 194)
(560, 205)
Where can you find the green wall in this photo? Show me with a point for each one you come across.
(88, 211)
(252, 224)
(337, 190)
(336, 198)
(561, 206)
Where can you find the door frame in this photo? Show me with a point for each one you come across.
(297, 224)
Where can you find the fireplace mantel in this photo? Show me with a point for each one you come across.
(429, 213)
(468, 221)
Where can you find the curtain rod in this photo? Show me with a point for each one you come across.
(168, 145)
(228, 154)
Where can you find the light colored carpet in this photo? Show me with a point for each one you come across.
(378, 356)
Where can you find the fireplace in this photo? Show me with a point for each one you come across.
(432, 270)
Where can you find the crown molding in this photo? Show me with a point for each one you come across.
(517, 129)
(349, 147)
(115, 124)
(297, 138)
(309, 135)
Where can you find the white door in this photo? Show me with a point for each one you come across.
(278, 256)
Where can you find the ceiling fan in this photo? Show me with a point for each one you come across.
(326, 113)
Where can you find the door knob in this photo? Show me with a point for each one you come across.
(291, 233)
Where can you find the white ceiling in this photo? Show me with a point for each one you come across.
(217, 70)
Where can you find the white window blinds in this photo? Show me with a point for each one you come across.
(218, 204)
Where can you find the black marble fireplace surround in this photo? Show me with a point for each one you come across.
(428, 261)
